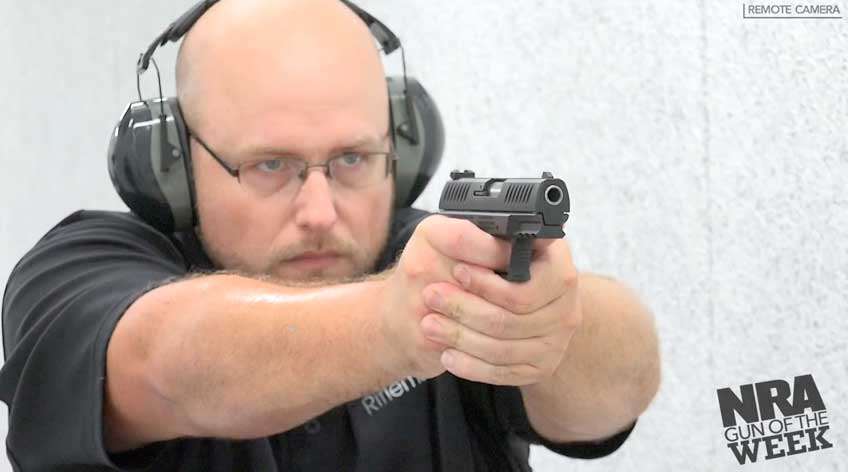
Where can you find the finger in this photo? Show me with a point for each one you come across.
(462, 240)
(545, 285)
(485, 317)
(540, 245)
(471, 368)
(553, 250)
(443, 330)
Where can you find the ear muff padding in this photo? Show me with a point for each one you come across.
(152, 176)
(417, 161)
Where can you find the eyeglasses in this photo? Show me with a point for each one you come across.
(265, 177)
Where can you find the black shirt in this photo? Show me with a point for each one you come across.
(66, 295)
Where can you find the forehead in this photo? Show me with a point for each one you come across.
(305, 98)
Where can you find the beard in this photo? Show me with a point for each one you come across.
(354, 261)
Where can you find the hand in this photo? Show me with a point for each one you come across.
(438, 244)
(505, 333)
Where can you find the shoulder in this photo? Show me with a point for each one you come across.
(89, 237)
(86, 246)
(96, 233)
(82, 220)
(60, 306)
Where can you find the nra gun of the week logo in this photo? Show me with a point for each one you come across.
(801, 427)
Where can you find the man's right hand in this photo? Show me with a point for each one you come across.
(438, 244)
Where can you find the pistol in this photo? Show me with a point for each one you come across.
(516, 209)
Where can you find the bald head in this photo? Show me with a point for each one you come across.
(262, 79)
(243, 53)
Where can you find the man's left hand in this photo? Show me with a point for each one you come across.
(504, 333)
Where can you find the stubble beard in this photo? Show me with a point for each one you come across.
(362, 261)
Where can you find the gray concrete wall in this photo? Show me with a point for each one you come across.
(706, 156)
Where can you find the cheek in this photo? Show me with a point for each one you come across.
(370, 221)
(233, 235)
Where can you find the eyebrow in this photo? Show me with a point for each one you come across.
(359, 143)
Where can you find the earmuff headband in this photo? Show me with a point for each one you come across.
(176, 30)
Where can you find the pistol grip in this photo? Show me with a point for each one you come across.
(519, 259)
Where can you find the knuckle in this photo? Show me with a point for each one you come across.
(498, 323)
(430, 231)
(409, 264)
(426, 226)
(554, 363)
(576, 321)
(457, 312)
(573, 320)
(423, 346)
(462, 239)
(504, 354)
(562, 251)
(569, 276)
(547, 369)
(415, 263)
(519, 301)
(457, 336)
(464, 225)
(415, 271)
(501, 374)
(459, 242)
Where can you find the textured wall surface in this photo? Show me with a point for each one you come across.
(706, 156)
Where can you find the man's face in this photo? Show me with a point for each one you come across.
(310, 106)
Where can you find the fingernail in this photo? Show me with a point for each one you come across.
(431, 327)
(448, 359)
(435, 300)
(462, 274)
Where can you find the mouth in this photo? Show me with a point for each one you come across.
(314, 260)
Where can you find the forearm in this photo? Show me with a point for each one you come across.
(610, 371)
(239, 358)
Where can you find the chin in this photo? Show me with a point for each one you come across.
(341, 271)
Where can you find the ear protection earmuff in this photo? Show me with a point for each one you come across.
(149, 155)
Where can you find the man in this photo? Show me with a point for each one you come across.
(275, 336)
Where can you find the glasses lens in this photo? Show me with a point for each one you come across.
(267, 177)
(358, 169)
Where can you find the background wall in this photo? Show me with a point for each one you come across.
(706, 156)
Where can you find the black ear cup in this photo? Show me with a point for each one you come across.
(419, 138)
(150, 165)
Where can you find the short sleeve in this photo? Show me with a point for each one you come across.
(60, 307)
(509, 409)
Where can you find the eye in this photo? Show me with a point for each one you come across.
(350, 159)
(271, 165)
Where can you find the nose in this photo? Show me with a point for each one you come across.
(315, 210)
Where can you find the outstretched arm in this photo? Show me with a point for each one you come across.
(610, 371)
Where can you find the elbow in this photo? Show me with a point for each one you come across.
(137, 410)
(198, 382)
(174, 379)
(648, 372)
(149, 378)
(647, 387)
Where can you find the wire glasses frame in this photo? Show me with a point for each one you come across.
(391, 158)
